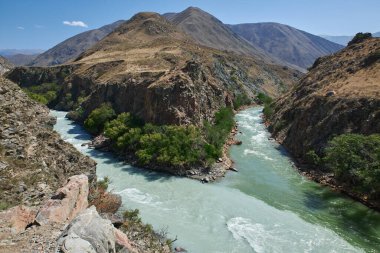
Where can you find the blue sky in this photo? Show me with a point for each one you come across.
(39, 23)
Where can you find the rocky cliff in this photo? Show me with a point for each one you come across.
(149, 67)
(5, 65)
(340, 94)
(34, 160)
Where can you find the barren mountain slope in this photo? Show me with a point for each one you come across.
(72, 47)
(286, 43)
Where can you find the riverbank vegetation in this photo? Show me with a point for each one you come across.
(44, 93)
(267, 102)
(165, 145)
(355, 161)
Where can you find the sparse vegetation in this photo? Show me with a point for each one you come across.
(359, 37)
(241, 100)
(372, 58)
(355, 160)
(267, 101)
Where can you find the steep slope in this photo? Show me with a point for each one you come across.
(286, 43)
(21, 59)
(341, 94)
(72, 47)
(33, 158)
(5, 65)
(150, 68)
(207, 30)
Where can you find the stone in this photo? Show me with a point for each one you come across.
(17, 218)
(233, 169)
(68, 201)
(91, 232)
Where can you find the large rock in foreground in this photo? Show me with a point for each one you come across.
(89, 232)
(68, 201)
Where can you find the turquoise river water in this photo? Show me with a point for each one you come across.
(265, 207)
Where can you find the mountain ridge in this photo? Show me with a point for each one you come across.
(285, 42)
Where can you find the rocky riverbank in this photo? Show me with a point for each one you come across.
(44, 203)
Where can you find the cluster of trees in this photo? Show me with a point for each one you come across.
(167, 145)
(355, 160)
(43, 93)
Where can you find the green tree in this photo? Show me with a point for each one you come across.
(355, 159)
(97, 119)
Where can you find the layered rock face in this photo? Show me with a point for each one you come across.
(34, 160)
(341, 94)
(5, 65)
(150, 68)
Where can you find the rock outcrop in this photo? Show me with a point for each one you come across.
(88, 232)
(67, 202)
(5, 65)
(35, 161)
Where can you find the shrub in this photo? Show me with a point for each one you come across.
(355, 159)
(360, 37)
(240, 100)
(97, 119)
(372, 58)
(312, 158)
(43, 93)
(267, 101)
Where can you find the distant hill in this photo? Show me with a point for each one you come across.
(208, 31)
(9, 52)
(286, 43)
(74, 46)
(343, 40)
(5, 65)
(21, 59)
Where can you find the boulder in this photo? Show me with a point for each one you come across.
(89, 232)
(68, 201)
(17, 218)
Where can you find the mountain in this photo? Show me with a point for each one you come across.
(340, 94)
(343, 40)
(72, 47)
(286, 43)
(5, 65)
(10, 52)
(21, 59)
(208, 31)
(149, 67)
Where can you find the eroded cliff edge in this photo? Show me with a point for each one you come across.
(340, 95)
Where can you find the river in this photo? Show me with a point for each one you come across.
(265, 207)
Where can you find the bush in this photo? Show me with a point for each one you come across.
(355, 159)
(372, 58)
(360, 37)
(43, 93)
(97, 119)
(312, 158)
(267, 101)
(240, 100)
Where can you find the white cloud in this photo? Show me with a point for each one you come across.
(38, 26)
(20, 27)
(75, 23)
